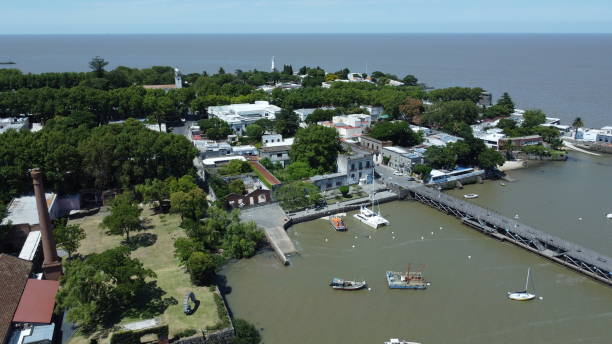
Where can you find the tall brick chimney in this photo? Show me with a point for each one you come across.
(52, 266)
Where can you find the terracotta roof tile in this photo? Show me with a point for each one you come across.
(13, 277)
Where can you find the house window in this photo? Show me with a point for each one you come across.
(360, 165)
(329, 185)
(279, 155)
(352, 167)
(338, 183)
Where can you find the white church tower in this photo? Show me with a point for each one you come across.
(178, 81)
(272, 68)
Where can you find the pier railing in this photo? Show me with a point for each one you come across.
(487, 221)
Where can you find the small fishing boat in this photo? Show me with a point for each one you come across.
(399, 341)
(470, 196)
(502, 184)
(609, 216)
(337, 223)
(522, 295)
(340, 284)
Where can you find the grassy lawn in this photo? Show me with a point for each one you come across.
(158, 257)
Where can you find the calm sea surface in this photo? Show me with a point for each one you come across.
(565, 75)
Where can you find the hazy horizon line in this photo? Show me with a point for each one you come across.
(304, 33)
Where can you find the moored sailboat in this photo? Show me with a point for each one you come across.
(522, 295)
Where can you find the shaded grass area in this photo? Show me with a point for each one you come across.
(154, 247)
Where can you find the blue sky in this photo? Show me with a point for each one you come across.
(291, 16)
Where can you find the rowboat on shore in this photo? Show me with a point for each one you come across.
(470, 196)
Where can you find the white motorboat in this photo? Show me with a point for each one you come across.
(470, 196)
(522, 295)
(399, 341)
(609, 216)
(370, 217)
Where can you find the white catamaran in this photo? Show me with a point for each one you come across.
(370, 217)
(522, 295)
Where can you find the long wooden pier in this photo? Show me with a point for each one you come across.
(576, 257)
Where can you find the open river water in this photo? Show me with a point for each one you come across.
(469, 272)
(565, 75)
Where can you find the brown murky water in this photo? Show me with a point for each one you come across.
(469, 273)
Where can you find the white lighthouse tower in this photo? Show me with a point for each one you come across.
(272, 68)
(178, 81)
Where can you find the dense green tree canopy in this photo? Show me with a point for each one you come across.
(100, 289)
(455, 93)
(398, 132)
(532, 118)
(297, 195)
(124, 216)
(441, 114)
(440, 157)
(68, 237)
(214, 128)
(506, 102)
(317, 146)
(321, 115)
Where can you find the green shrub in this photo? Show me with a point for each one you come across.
(344, 189)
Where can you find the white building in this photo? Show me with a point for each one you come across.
(374, 111)
(440, 139)
(22, 210)
(354, 120)
(490, 137)
(303, 113)
(605, 135)
(357, 165)
(280, 85)
(272, 140)
(212, 149)
(239, 116)
(245, 150)
(16, 123)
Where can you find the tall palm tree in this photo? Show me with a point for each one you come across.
(577, 123)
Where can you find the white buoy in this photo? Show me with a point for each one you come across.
(541, 298)
(431, 233)
(469, 257)
(392, 232)
(369, 237)
(393, 237)
(325, 239)
(441, 227)
(422, 238)
(580, 219)
(353, 246)
(369, 289)
(355, 237)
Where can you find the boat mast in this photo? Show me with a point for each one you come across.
(527, 281)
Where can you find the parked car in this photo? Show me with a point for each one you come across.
(397, 173)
